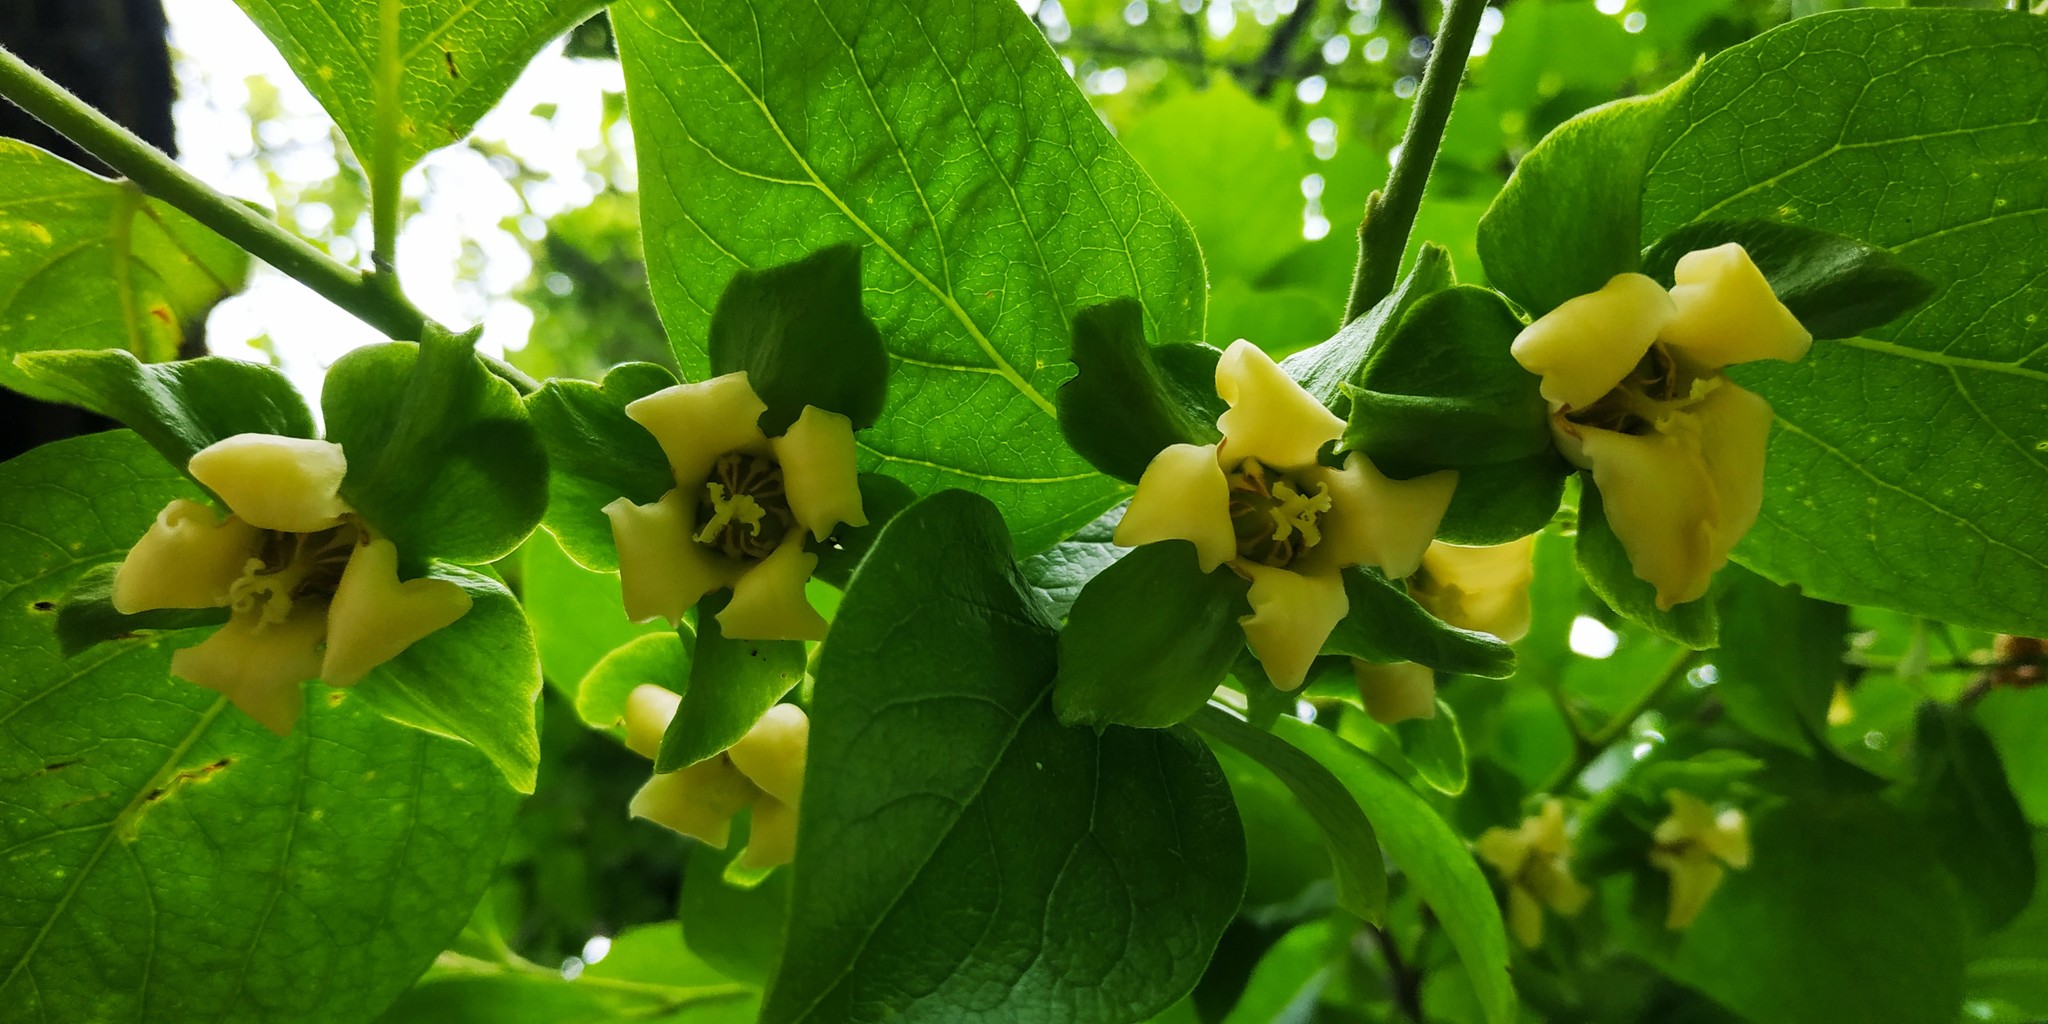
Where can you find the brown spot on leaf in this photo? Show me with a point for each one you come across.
(449, 56)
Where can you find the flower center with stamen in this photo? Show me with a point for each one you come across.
(289, 567)
(1275, 518)
(1654, 389)
(744, 511)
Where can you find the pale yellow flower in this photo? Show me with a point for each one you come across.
(1633, 377)
(1397, 692)
(1696, 847)
(313, 591)
(1260, 502)
(1534, 859)
(739, 513)
(764, 770)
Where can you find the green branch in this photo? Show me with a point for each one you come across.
(1390, 213)
(385, 178)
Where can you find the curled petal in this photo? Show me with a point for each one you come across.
(697, 423)
(1660, 502)
(1525, 917)
(662, 571)
(188, 559)
(290, 484)
(768, 601)
(1728, 314)
(1270, 417)
(259, 665)
(1381, 522)
(1504, 848)
(1482, 588)
(1397, 692)
(772, 753)
(1735, 435)
(1550, 880)
(1694, 877)
(1582, 349)
(819, 471)
(648, 710)
(772, 841)
(375, 617)
(1692, 821)
(1545, 830)
(1182, 496)
(1292, 614)
(698, 801)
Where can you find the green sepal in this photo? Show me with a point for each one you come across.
(1435, 748)
(1130, 400)
(1605, 565)
(661, 659)
(1965, 805)
(1837, 286)
(1323, 370)
(732, 684)
(596, 453)
(1385, 625)
(86, 615)
(1360, 872)
(475, 680)
(1149, 639)
(881, 497)
(179, 408)
(802, 336)
(441, 457)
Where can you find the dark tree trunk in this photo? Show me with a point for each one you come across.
(112, 54)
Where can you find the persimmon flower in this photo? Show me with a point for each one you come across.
(742, 505)
(1633, 377)
(313, 592)
(1479, 588)
(764, 770)
(1696, 847)
(1535, 861)
(1262, 504)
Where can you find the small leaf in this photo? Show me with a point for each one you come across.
(1780, 657)
(1605, 565)
(1058, 574)
(86, 615)
(658, 659)
(1130, 400)
(1149, 640)
(179, 408)
(596, 454)
(1325, 369)
(1386, 625)
(1837, 286)
(732, 684)
(1960, 795)
(802, 336)
(1435, 748)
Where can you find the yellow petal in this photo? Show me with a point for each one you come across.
(1694, 877)
(1730, 838)
(771, 842)
(1396, 693)
(648, 710)
(1271, 418)
(1554, 885)
(768, 601)
(1582, 349)
(1483, 588)
(375, 617)
(259, 666)
(697, 423)
(1292, 614)
(1545, 830)
(772, 753)
(1735, 435)
(1525, 917)
(819, 472)
(188, 559)
(1377, 521)
(698, 801)
(1504, 848)
(1182, 496)
(291, 484)
(1660, 502)
(1728, 314)
(662, 571)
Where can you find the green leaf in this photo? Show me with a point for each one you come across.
(1780, 658)
(1128, 401)
(1149, 640)
(1435, 748)
(1924, 436)
(1288, 978)
(169, 859)
(87, 263)
(1361, 875)
(959, 151)
(475, 680)
(1325, 369)
(454, 62)
(661, 659)
(578, 616)
(1386, 625)
(799, 332)
(180, 407)
(737, 929)
(1425, 849)
(2017, 722)
(1837, 286)
(1058, 574)
(441, 456)
(949, 819)
(1605, 565)
(597, 454)
(1572, 215)
(732, 684)
(647, 977)
(86, 615)
(1965, 806)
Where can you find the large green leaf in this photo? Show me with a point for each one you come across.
(1780, 658)
(1969, 811)
(1908, 467)
(89, 263)
(178, 407)
(952, 144)
(166, 859)
(1149, 639)
(455, 59)
(647, 976)
(950, 822)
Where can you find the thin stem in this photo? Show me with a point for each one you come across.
(1390, 213)
(384, 176)
(1587, 747)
